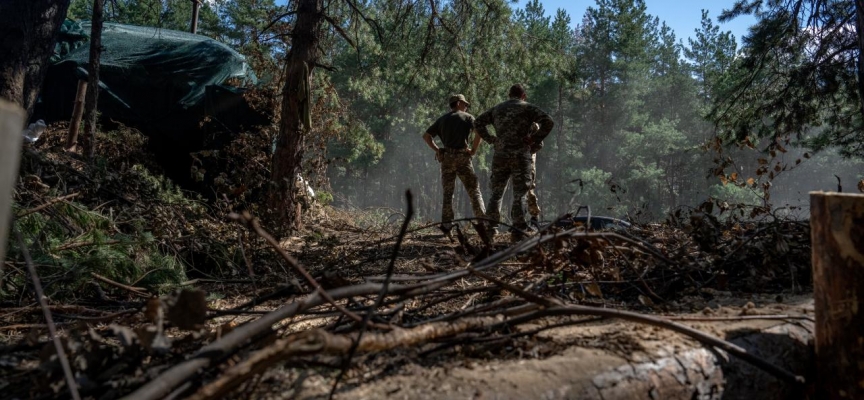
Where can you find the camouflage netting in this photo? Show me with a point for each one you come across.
(150, 77)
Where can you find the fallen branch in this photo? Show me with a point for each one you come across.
(18, 327)
(99, 318)
(783, 317)
(224, 281)
(134, 290)
(76, 245)
(252, 224)
(319, 342)
(49, 203)
(162, 385)
(54, 308)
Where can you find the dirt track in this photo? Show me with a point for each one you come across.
(601, 360)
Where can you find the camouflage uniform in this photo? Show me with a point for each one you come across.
(458, 164)
(453, 129)
(512, 120)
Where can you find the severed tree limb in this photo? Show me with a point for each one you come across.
(175, 376)
(52, 329)
(317, 342)
(252, 224)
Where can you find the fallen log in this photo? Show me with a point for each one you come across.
(665, 368)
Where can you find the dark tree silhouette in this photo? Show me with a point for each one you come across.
(28, 32)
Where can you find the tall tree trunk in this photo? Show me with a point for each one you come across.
(28, 32)
(296, 102)
(559, 141)
(92, 98)
(196, 5)
(859, 27)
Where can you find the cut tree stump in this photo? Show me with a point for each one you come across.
(837, 234)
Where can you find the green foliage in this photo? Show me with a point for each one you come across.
(72, 242)
(733, 194)
(324, 198)
(711, 54)
(798, 71)
(628, 97)
(168, 14)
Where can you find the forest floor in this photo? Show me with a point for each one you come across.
(695, 307)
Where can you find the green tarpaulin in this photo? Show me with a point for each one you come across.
(150, 77)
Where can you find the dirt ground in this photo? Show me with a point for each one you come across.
(588, 361)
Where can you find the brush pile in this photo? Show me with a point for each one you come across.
(116, 246)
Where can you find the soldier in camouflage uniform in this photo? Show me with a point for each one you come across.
(453, 129)
(514, 143)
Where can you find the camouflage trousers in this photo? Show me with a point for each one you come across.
(531, 197)
(517, 167)
(458, 164)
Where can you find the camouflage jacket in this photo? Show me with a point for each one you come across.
(512, 120)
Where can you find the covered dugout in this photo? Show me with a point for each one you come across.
(160, 81)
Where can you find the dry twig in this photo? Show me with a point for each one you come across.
(52, 329)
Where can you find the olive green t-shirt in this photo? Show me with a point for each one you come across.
(453, 128)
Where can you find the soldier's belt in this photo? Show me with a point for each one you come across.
(446, 150)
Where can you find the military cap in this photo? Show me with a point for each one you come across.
(456, 97)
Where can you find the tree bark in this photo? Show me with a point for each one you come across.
(92, 98)
(196, 5)
(293, 127)
(77, 114)
(837, 234)
(559, 141)
(28, 32)
(859, 28)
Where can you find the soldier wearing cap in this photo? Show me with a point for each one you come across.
(514, 144)
(453, 129)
